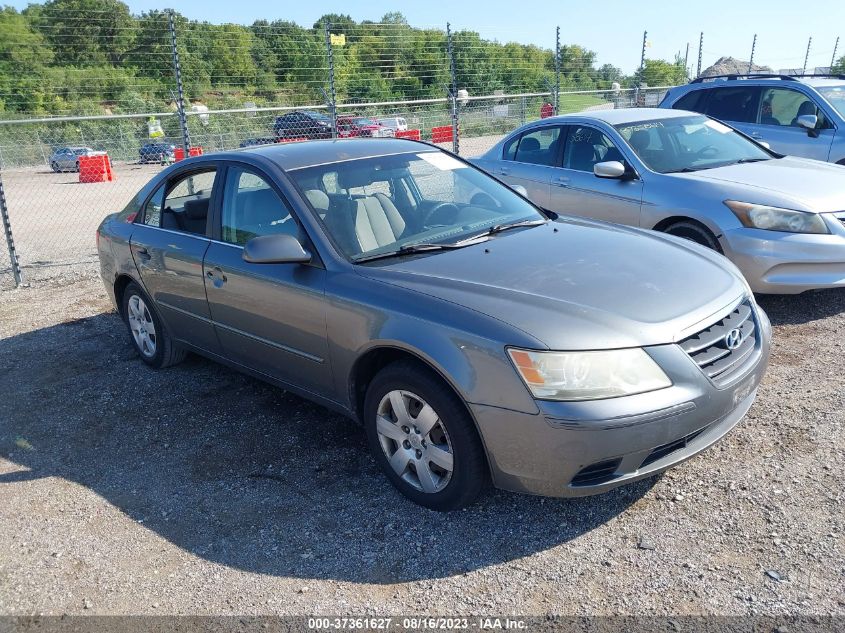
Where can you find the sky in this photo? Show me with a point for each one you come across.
(611, 28)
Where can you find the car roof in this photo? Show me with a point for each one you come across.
(763, 80)
(290, 156)
(620, 116)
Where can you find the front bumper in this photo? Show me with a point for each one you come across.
(574, 449)
(788, 263)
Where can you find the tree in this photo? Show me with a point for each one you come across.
(839, 67)
(659, 72)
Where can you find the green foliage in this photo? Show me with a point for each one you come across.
(96, 57)
(658, 72)
(839, 67)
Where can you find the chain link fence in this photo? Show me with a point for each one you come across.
(148, 90)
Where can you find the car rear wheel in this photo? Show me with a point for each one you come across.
(423, 439)
(695, 232)
(77, 165)
(149, 336)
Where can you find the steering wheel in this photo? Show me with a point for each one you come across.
(483, 199)
(441, 208)
(708, 152)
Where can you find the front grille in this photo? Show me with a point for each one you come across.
(709, 348)
(598, 473)
(662, 451)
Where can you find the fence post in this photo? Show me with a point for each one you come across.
(807, 56)
(751, 61)
(642, 56)
(833, 57)
(332, 100)
(7, 231)
(180, 92)
(557, 71)
(453, 91)
(686, 62)
(700, 46)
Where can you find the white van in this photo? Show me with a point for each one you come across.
(396, 123)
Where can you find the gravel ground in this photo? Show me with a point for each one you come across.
(197, 490)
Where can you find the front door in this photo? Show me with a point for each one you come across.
(778, 126)
(168, 246)
(576, 190)
(269, 317)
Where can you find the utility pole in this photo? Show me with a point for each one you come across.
(700, 47)
(180, 92)
(807, 56)
(453, 90)
(751, 61)
(557, 71)
(332, 96)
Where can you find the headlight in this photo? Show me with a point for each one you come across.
(759, 216)
(588, 375)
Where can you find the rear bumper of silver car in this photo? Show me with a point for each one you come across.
(577, 449)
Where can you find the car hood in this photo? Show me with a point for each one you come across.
(577, 284)
(808, 185)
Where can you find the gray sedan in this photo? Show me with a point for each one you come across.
(781, 220)
(474, 336)
(67, 158)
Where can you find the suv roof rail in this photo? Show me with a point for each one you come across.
(735, 76)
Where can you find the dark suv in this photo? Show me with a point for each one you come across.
(800, 116)
(304, 124)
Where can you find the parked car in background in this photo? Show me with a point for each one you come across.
(353, 126)
(255, 142)
(799, 116)
(156, 153)
(67, 158)
(471, 333)
(303, 125)
(395, 123)
(781, 220)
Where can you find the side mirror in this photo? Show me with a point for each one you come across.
(520, 190)
(808, 122)
(609, 169)
(275, 249)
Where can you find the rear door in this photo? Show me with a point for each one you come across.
(777, 124)
(168, 245)
(737, 105)
(269, 317)
(576, 190)
(530, 159)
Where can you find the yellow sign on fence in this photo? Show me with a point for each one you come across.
(338, 40)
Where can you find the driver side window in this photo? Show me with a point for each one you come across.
(251, 207)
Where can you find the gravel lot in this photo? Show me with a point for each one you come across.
(197, 490)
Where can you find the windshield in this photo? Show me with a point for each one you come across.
(689, 143)
(79, 151)
(835, 96)
(377, 206)
(364, 121)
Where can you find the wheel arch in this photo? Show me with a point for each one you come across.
(120, 284)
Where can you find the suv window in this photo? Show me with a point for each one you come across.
(586, 146)
(693, 101)
(738, 104)
(252, 208)
(783, 106)
(185, 206)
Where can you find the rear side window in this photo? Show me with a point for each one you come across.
(152, 210)
(539, 147)
(186, 203)
(738, 104)
(693, 101)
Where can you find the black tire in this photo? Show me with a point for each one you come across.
(77, 165)
(55, 166)
(469, 473)
(166, 353)
(694, 232)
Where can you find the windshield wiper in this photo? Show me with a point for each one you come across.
(684, 170)
(743, 161)
(498, 228)
(410, 249)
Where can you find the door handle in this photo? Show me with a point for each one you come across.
(217, 277)
(143, 253)
(756, 135)
(504, 171)
(562, 181)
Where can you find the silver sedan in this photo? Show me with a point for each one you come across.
(780, 219)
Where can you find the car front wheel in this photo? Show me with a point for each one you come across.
(694, 232)
(149, 336)
(423, 438)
